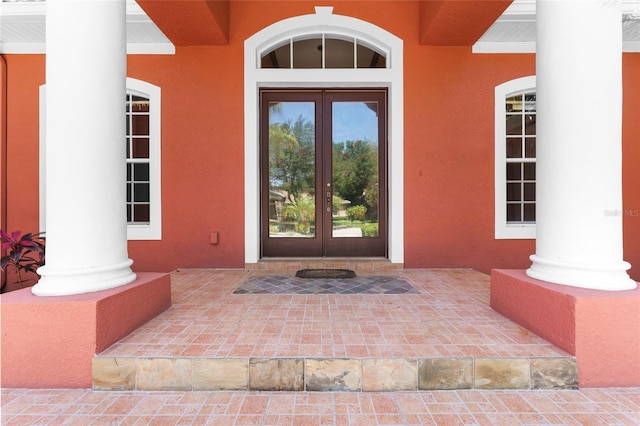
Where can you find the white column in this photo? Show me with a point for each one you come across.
(579, 145)
(85, 148)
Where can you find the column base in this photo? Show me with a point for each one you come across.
(612, 277)
(599, 327)
(50, 342)
(80, 281)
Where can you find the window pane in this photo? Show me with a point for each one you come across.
(529, 191)
(514, 148)
(141, 148)
(339, 53)
(529, 212)
(530, 124)
(513, 171)
(514, 124)
(140, 104)
(513, 192)
(141, 213)
(529, 171)
(513, 213)
(140, 124)
(530, 147)
(129, 171)
(369, 58)
(307, 52)
(129, 193)
(141, 192)
(141, 172)
(530, 102)
(129, 213)
(514, 103)
(279, 57)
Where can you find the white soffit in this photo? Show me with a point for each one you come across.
(515, 30)
(22, 29)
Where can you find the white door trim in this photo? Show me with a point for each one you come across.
(323, 21)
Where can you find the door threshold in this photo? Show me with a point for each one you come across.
(361, 264)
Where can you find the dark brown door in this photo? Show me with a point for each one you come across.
(323, 173)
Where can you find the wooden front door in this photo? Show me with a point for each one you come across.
(323, 173)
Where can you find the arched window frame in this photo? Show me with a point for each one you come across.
(152, 230)
(391, 78)
(503, 229)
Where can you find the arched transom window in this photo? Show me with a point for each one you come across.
(320, 51)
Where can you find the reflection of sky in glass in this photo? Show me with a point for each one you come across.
(290, 111)
(352, 121)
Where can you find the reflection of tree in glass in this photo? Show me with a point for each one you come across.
(301, 214)
(291, 157)
(355, 173)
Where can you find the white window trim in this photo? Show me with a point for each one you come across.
(323, 21)
(152, 231)
(503, 230)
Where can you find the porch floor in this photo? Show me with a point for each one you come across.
(445, 337)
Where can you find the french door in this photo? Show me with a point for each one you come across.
(323, 173)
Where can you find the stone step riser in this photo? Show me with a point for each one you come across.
(331, 374)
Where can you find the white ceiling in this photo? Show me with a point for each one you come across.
(515, 30)
(22, 29)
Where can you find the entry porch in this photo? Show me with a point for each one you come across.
(444, 337)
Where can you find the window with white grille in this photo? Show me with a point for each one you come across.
(515, 159)
(143, 204)
(520, 167)
(142, 114)
(138, 183)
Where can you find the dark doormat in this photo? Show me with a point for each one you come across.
(362, 284)
(325, 273)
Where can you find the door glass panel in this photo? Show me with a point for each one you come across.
(355, 169)
(292, 169)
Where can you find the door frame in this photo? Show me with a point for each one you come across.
(390, 78)
(324, 243)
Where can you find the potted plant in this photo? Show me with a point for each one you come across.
(22, 253)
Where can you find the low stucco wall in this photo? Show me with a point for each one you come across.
(599, 327)
(49, 342)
